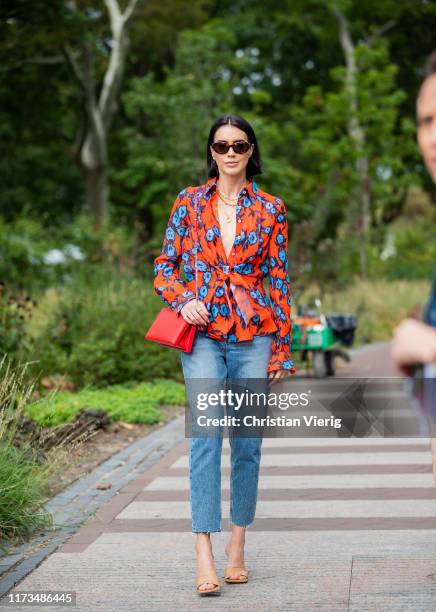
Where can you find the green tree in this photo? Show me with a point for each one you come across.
(328, 177)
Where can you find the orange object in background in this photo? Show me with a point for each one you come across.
(307, 321)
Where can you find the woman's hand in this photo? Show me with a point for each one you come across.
(195, 312)
(276, 375)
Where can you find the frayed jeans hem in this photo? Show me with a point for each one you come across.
(243, 526)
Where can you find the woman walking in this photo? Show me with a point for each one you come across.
(242, 333)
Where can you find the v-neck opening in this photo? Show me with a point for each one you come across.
(215, 211)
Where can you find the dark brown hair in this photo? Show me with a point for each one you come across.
(429, 66)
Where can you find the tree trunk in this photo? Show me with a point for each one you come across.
(357, 135)
(92, 149)
(97, 196)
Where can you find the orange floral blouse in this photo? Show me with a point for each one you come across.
(231, 288)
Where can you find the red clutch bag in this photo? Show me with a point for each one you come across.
(169, 327)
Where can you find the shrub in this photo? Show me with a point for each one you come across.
(23, 478)
(96, 335)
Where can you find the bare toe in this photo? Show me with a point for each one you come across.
(205, 586)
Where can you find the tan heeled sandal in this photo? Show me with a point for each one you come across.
(212, 578)
(233, 570)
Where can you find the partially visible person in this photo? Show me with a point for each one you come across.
(415, 341)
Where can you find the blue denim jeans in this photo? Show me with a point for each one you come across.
(218, 360)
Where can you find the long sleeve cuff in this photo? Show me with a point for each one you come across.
(281, 360)
(184, 300)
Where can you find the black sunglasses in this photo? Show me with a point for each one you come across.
(221, 146)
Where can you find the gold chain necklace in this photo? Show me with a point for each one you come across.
(228, 218)
(228, 201)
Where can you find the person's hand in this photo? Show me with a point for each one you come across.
(195, 312)
(413, 342)
(277, 375)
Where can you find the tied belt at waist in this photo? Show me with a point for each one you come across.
(240, 285)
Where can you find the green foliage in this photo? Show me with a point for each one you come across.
(170, 153)
(95, 334)
(134, 404)
(406, 248)
(21, 488)
(326, 176)
(33, 257)
(22, 248)
(415, 256)
(23, 480)
(14, 311)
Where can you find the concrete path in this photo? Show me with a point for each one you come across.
(341, 524)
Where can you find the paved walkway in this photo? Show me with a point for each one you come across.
(341, 524)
